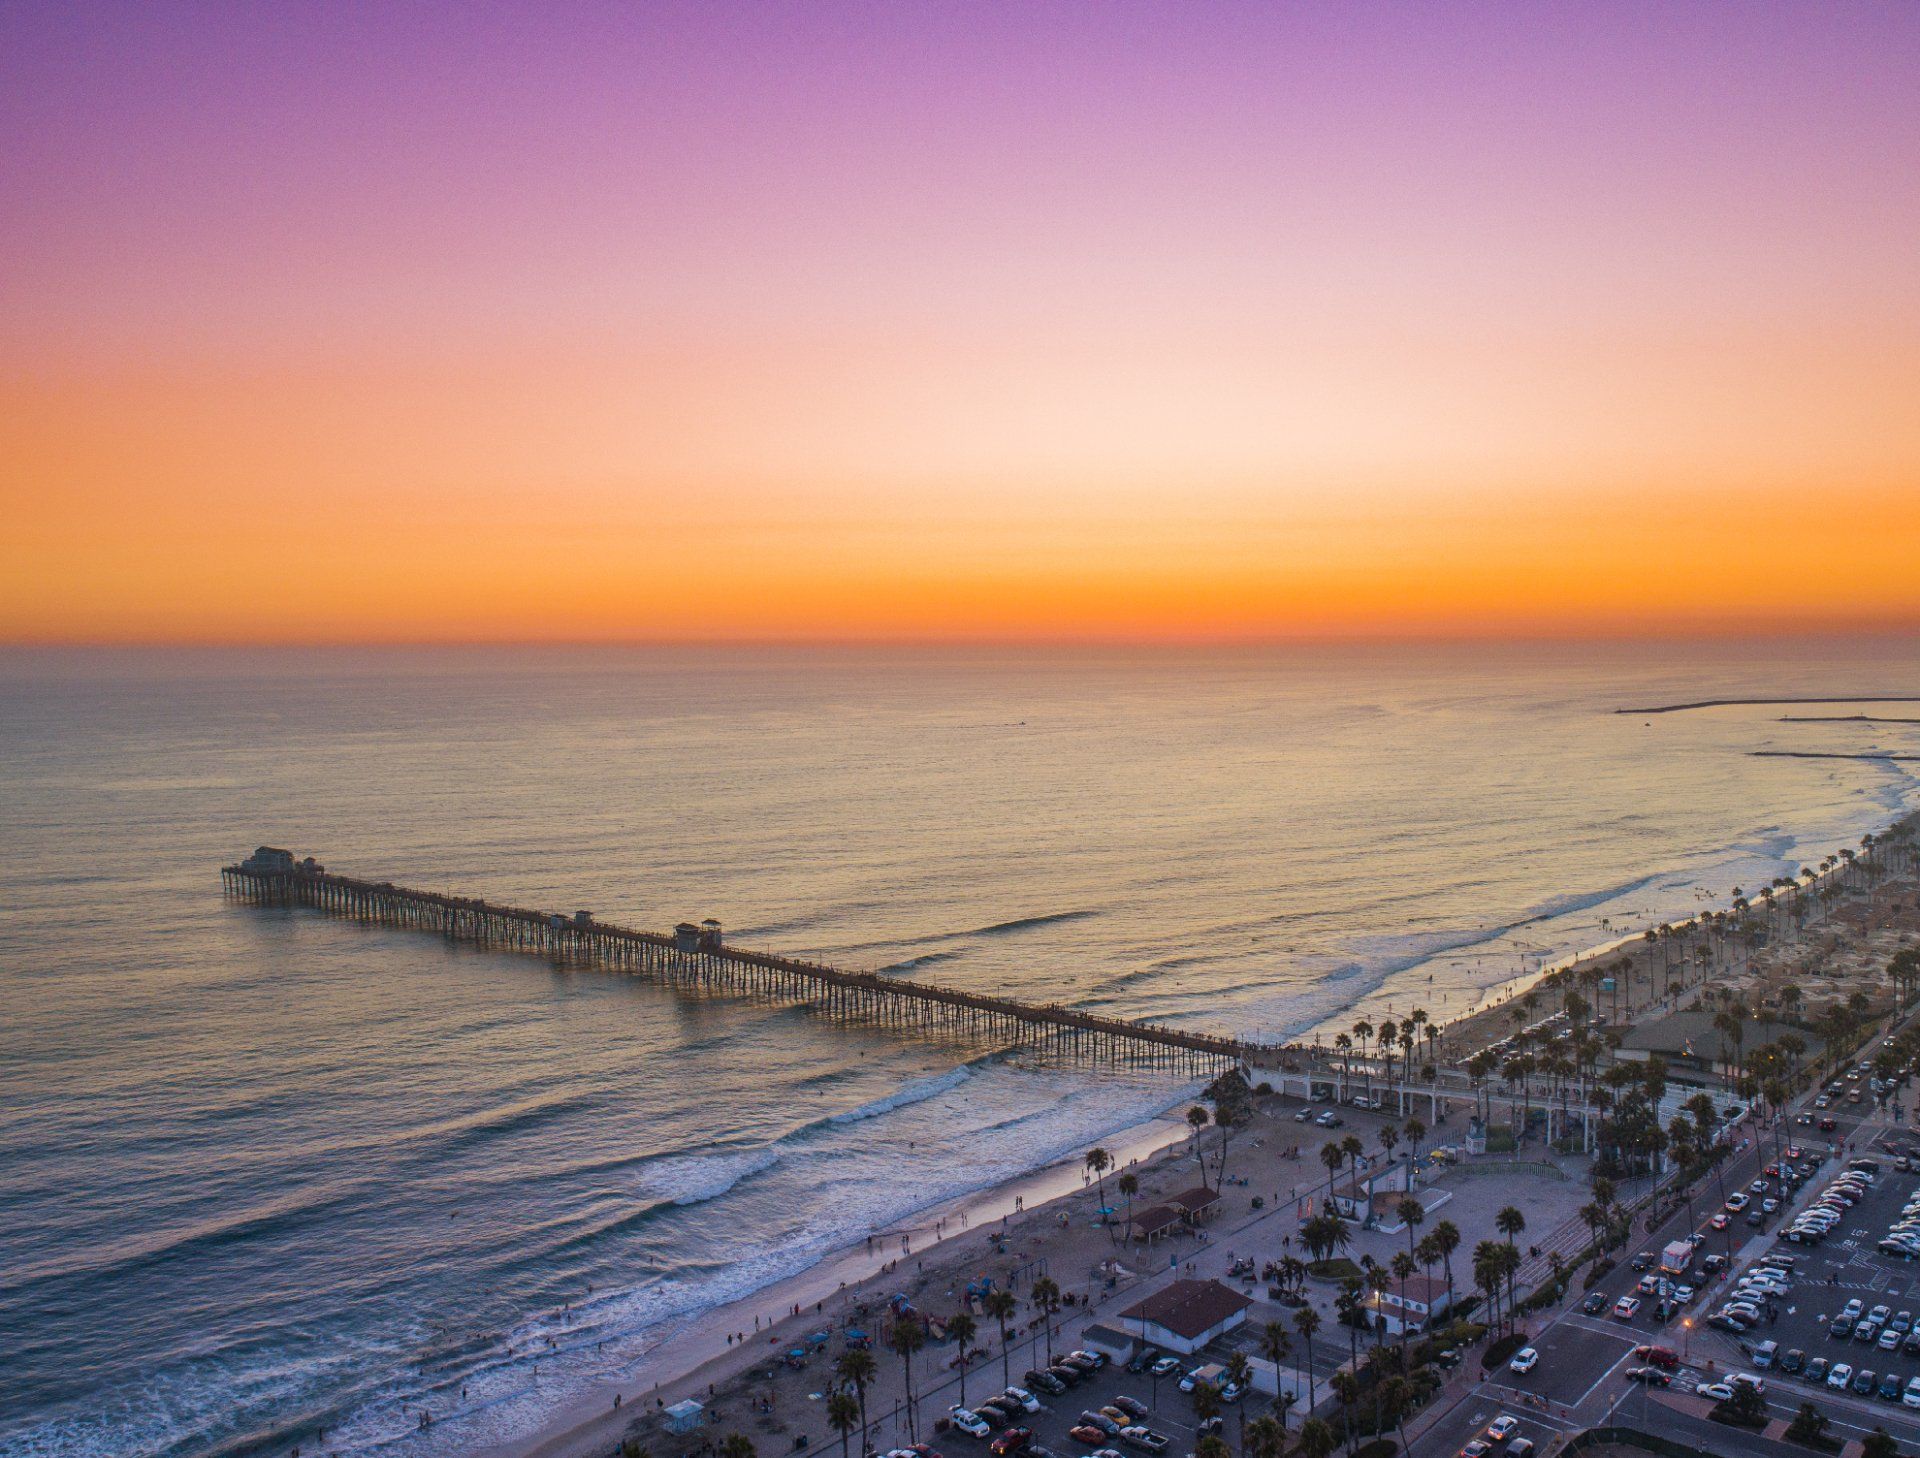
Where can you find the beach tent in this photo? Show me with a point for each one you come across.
(684, 1417)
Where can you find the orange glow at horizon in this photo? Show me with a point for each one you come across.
(848, 331)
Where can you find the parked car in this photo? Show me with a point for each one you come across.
(970, 1423)
(1132, 1406)
(1010, 1442)
(1145, 1439)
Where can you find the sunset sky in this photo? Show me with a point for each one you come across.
(641, 321)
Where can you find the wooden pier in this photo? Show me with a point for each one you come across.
(698, 957)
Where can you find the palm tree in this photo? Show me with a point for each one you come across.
(857, 1369)
(1000, 1305)
(1353, 1149)
(1306, 1321)
(1129, 1185)
(1240, 1374)
(907, 1337)
(962, 1328)
(1510, 1222)
(1266, 1436)
(1416, 1130)
(1489, 1277)
(1099, 1162)
(1275, 1346)
(1206, 1402)
(843, 1414)
(1046, 1295)
(1346, 1387)
(1414, 1214)
(1403, 1267)
(1317, 1439)
(1332, 1156)
(736, 1445)
(1197, 1119)
(1446, 1240)
(1396, 1396)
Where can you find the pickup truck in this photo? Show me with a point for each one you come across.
(1213, 1374)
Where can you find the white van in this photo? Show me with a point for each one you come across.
(1765, 1353)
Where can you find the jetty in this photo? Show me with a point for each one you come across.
(697, 956)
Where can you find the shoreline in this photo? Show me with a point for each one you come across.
(698, 1350)
(696, 1353)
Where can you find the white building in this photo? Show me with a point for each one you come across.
(1184, 1316)
(1410, 1306)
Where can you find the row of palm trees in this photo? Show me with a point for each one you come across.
(1389, 1045)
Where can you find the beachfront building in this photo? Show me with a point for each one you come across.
(1409, 1307)
(1372, 1192)
(1184, 1316)
(1112, 1343)
(1155, 1221)
(1197, 1204)
(1695, 1051)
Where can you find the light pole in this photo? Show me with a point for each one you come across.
(1686, 1337)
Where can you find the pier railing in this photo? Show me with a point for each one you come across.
(707, 962)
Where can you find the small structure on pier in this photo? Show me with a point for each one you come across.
(695, 955)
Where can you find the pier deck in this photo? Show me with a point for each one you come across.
(698, 956)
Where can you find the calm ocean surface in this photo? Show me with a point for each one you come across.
(257, 1166)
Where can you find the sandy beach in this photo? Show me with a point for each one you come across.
(1045, 1222)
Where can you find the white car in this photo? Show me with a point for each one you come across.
(1719, 1391)
(1025, 1398)
(1839, 1375)
(1503, 1427)
(1523, 1360)
(970, 1423)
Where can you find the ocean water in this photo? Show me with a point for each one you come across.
(259, 1169)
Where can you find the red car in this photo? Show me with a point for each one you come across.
(1827, 1126)
(1010, 1442)
(1665, 1357)
(1719, 1222)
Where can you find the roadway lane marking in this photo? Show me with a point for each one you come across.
(1604, 1376)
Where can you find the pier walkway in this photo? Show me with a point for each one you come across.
(698, 956)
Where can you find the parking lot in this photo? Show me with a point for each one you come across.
(1168, 1413)
(1846, 1266)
